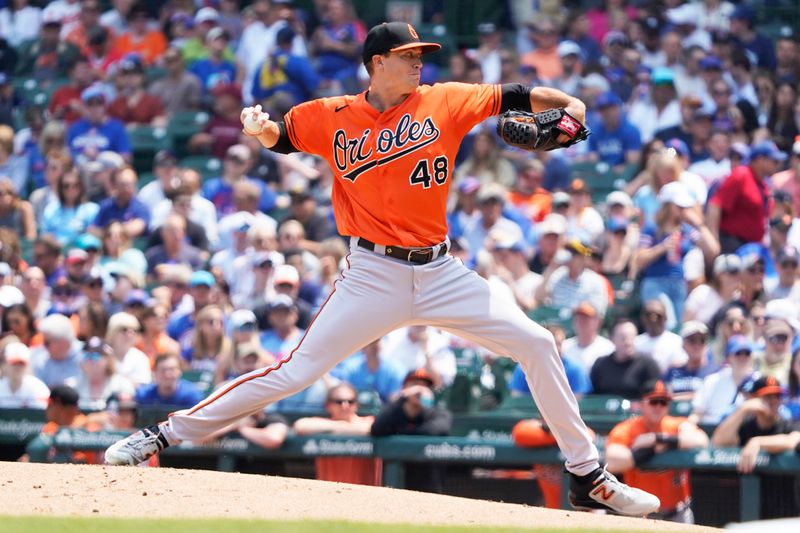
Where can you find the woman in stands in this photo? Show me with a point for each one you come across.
(154, 339)
(117, 249)
(71, 214)
(15, 213)
(19, 321)
(209, 343)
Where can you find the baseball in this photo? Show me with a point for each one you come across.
(252, 125)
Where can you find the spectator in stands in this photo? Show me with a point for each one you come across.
(47, 256)
(371, 371)
(123, 330)
(793, 390)
(528, 196)
(786, 284)
(34, 289)
(583, 220)
(123, 206)
(165, 169)
(12, 166)
(486, 162)
(686, 380)
(140, 38)
(220, 191)
(623, 371)
(544, 33)
(62, 412)
(16, 214)
(98, 379)
(742, 26)
(133, 105)
(154, 339)
(187, 201)
(635, 441)
(662, 246)
(787, 58)
(717, 165)
(341, 403)
(511, 267)
(92, 316)
(283, 334)
(720, 391)
(414, 413)
(657, 342)
(423, 347)
(572, 57)
(178, 90)
(776, 359)
(56, 164)
(46, 57)
(224, 127)
(71, 215)
(787, 180)
(488, 53)
(118, 255)
(96, 131)
(316, 224)
(88, 19)
(567, 281)
(721, 289)
(660, 110)
(168, 387)
(215, 69)
(614, 140)
(19, 388)
(549, 236)
(174, 247)
(285, 72)
(19, 321)
(577, 373)
(491, 200)
(209, 343)
(587, 344)
(202, 286)
(753, 420)
(59, 357)
(738, 212)
(20, 22)
(782, 125)
(252, 271)
(336, 44)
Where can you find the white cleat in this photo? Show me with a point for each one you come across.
(136, 448)
(604, 491)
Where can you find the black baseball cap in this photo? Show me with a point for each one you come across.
(393, 37)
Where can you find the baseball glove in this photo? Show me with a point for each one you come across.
(540, 131)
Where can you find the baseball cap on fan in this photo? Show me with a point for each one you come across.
(393, 37)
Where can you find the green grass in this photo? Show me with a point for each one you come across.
(38, 524)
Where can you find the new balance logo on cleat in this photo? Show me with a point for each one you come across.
(604, 491)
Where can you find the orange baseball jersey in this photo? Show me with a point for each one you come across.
(392, 169)
(671, 486)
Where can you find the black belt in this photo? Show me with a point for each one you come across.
(419, 256)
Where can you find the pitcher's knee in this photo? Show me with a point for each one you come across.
(537, 343)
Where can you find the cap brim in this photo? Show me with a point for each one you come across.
(657, 396)
(772, 389)
(426, 47)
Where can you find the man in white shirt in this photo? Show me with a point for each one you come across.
(720, 394)
(491, 199)
(587, 344)
(717, 165)
(423, 347)
(661, 110)
(664, 346)
(18, 387)
(568, 282)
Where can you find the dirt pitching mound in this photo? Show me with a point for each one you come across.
(75, 490)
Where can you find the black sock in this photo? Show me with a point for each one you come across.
(588, 477)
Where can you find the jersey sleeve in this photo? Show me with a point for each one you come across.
(621, 434)
(306, 126)
(471, 103)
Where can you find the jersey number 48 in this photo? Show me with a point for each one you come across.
(421, 175)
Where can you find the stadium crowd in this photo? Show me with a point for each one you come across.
(131, 270)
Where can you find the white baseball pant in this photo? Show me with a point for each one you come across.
(377, 294)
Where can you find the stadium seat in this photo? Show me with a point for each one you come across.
(145, 142)
(558, 316)
(203, 380)
(184, 124)
(206, 165)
